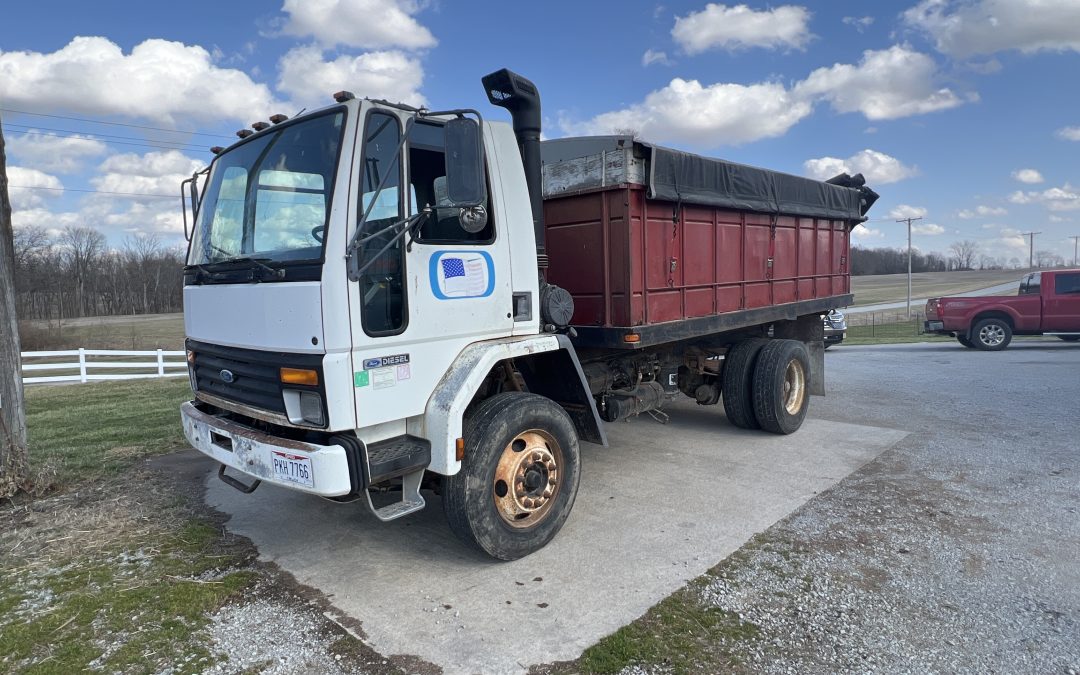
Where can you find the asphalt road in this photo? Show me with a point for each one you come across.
(929, 508)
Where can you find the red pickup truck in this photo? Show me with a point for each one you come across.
(1048, 304)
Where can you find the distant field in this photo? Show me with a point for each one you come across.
(871, 290)
(150, 331)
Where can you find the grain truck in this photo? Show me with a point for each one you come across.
(382, 302)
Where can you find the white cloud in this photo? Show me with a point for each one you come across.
(368, 24)
(906, 211)
(1059, 219)
(886, 84)
(30, 188)
(927, 228)
(877, 167)
(739, 27)
(652, 56)
(859, 23)
(707, 116)
(158, 80)
(1065, 198)
(863, 232)
(154, 173)
(309, 80)
(1069, 133)
(981, 211)
(49, 152)
(964, 29)
(1030, 176)
(54, 223)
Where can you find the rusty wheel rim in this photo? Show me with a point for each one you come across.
(527, 478)
(794, 387)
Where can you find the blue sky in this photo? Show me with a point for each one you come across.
(962, 111)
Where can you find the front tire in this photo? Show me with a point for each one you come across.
(991, 335)
(519, 478)
(782, 386)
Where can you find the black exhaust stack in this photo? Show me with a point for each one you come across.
(509, 90)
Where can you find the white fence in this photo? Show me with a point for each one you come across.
(88, 360)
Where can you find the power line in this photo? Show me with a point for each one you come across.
(115, 124)
(92, 135)
(112, 142)
(97, 192)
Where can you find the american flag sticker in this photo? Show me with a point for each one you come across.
(460, 275)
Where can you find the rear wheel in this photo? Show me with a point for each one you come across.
(1069, 338)
(782, 386)
(737, 382)
(992, 334)
(519, 478)
(962, 339)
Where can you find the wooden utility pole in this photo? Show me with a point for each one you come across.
(1076, 246)
(908, 221)
(1031, 248)
(13, 451)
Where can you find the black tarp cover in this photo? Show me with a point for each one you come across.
(693, 179)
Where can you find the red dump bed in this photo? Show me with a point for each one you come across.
(628, 261)
(633, 261)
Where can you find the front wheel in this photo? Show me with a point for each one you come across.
(992, 335)
(782, 386)
(519, 478)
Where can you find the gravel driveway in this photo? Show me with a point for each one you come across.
(956, 551)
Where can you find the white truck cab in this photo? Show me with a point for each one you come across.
(356, 277)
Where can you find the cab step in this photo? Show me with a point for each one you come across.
(396, 457)
(411, 499)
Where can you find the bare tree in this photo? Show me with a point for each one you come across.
(14, 466)
(964, 252)
(83, 246)
(1048, 259)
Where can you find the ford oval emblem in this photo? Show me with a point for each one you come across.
(227, 376)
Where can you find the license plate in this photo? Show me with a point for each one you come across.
(293, 469)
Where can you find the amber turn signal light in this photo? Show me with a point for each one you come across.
(298, 376)
(459, 449)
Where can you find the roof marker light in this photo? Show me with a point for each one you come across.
(244, 133)
(278, 118)
(259, 126)
(217, 149)
(343, 96)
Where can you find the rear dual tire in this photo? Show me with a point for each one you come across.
(766, 385)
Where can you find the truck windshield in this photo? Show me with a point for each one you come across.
(268, 199)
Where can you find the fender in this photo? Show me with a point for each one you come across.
(544, 362)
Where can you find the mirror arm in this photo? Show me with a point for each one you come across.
(351, 248)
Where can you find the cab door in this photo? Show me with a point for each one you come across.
(1061, 304)
(419, 302)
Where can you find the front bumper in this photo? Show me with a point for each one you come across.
(252, 452)
(834, 336)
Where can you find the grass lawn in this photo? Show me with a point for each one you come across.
(86, 431)
(116, 570)
(153, 331)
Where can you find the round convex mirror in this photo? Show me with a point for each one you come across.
(473, 219)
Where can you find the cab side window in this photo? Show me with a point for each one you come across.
(427, 183)
(1065, 284)
(382, 286)
(1031, 284)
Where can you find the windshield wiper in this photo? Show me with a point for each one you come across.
(278, 272)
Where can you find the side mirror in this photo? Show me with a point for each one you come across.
(465, 186)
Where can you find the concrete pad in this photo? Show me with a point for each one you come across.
(659, 507)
